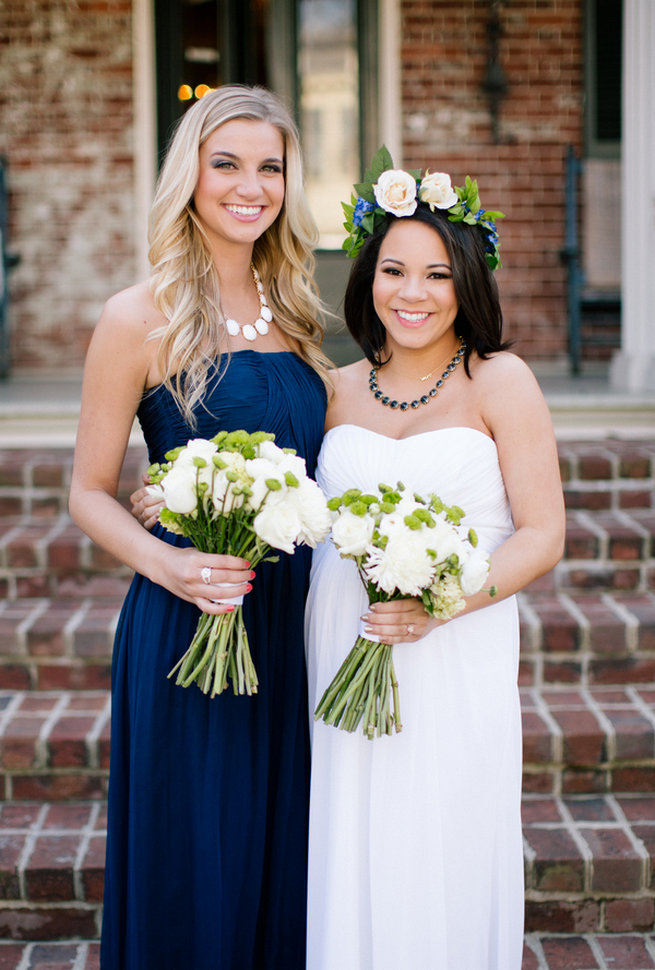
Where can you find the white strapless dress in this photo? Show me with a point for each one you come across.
(415, 849)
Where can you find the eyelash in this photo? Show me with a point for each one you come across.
(392, 271)
(226, 165)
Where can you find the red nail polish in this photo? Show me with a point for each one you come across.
(252, 574)
(248, 588)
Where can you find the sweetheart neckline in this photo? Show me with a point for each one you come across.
(419, 434)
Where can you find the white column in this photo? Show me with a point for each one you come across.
(145, 136)
(633, 368)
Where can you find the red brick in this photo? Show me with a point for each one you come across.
(627, 952)
(616, 867)
(629, 915)
(558, 865)
(562, 916)
(570, 953)
(49, 870)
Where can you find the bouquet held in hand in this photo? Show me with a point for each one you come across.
(403, 546)
(241, 495)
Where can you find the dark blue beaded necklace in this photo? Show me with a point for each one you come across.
(424, 398)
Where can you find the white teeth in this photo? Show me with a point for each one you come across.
(411, 317)
(244, 210)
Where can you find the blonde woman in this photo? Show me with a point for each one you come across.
(207, 826)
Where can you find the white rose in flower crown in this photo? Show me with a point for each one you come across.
(278, 522)
(474, 572)
(437, 190)
(403, 565)
(352, 533)
(179, 488)
(312, 510)
(395, 192)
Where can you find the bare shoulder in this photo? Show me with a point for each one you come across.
(350, 386)
(131, 311)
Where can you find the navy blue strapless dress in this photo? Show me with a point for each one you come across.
(207, 823)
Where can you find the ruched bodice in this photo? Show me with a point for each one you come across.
(208, 798)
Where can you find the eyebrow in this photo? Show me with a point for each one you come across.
(264, 161)
(399, 262)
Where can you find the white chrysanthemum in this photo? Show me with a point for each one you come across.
(403, 565)
(278, 523)
(447, 598)
(474, 572)
(352, 533)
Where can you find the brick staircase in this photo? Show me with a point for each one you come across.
(587, 688)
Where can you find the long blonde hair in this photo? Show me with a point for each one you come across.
(184, 282)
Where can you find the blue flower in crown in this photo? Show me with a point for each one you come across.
(362, 208)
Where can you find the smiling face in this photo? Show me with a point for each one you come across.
(413, 289)
(240, 189)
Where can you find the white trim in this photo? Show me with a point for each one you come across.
(145, 128)
(389, 113)
(633, 367)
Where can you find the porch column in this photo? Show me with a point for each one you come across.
(633, 367)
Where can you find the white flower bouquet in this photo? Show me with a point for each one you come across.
(238, 494)
(403, 546)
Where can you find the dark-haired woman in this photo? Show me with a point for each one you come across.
(415, 856)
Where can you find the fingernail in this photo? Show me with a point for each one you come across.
(230, 609)
(252, 575)
(248, 588)
(247, 565)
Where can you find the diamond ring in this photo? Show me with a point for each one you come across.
(206, 574)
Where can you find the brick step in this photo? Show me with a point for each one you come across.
(583, 638)
(608, 474)
(54, 745)
(48, 644)
(542, 951)
(591, 639)
(52, 557)
(52, 859)
(589, 740)
(589, 863)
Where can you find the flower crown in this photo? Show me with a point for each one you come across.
(386, 189)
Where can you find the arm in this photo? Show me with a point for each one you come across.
(115, 375)
(518, 418)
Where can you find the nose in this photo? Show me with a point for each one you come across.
(412, 288)
(249, 187)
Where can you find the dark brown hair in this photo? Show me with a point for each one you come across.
(479, 317)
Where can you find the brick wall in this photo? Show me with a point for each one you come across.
(447, 126)
(66, 129)
(66, 126)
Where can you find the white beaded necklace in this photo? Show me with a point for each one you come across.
(260, 326)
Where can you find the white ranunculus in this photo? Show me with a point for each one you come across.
(197, 448)
(474, 572)
(313, 511)
(352, 533)
(445, 541)
(293, 464)
(395, 192)
(260, 470)
(403, 565)
(278, 522)
(269, 450)
(227, 495)
(437, 190)
(179, 487)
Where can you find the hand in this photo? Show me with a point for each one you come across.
(399, 621)
(186, 577)
(146, 506)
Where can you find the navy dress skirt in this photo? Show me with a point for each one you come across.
(208, 798)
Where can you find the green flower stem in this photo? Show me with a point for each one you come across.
(362, 690)
(219, 652)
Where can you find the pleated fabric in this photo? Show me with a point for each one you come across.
(207, 820)
(415, 855)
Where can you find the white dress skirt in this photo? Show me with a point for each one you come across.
(415, 847)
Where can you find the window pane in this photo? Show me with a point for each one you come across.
(328, 76)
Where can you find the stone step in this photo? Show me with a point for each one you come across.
(589, 863)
